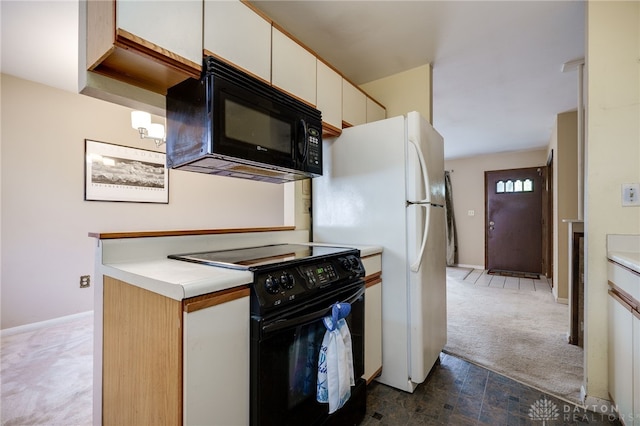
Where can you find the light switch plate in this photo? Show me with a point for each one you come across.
(630, 194)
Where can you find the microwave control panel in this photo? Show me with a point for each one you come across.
(314, 141)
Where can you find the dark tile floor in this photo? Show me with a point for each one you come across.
(459, 393)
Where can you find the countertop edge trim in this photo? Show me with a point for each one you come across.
(178, 233)
(633, 271)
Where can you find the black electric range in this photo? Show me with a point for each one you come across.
(286, 274)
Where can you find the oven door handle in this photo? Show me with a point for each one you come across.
(286, 321)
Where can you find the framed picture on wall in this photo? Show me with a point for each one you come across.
(121, 173)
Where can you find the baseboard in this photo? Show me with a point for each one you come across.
(597, 405)
(43, 324)
(562, 300)
(464, 265)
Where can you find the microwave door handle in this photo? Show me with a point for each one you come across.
(283, 321)
(302, 153)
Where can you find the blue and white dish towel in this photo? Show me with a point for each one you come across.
(335, 363)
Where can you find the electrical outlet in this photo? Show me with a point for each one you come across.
(630, 194)
(471, 212)
(85, 281)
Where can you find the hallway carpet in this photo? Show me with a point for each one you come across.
(515, 330)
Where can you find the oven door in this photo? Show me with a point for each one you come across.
(284, 363)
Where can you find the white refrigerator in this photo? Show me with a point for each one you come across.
(383, 184)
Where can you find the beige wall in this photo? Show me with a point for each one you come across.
(404, 92)
(564, 143)
(467, 182)
(45, 222)
(612, 158)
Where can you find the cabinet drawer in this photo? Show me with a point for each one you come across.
(624, 279)
(372, 264)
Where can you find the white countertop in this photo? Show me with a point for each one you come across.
(625, 250)
(180, 280)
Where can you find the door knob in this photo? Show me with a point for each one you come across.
(491, 223)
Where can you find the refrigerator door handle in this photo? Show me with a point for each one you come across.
(423, 169)
(415, 266)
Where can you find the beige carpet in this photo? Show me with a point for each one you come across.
(47, 375)
(518, 333)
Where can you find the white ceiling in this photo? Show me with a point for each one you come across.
(497, 76)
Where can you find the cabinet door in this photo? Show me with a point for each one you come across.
(372, 330)
(621, 356)
(329, 95)
(354, 105)
(172, 25)
(374, 111)
(293, 68)
(235, 33)
(216, 364)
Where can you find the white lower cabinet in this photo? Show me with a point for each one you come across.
(372, 317)
(624, 342)
(636, 368)
(373, 331)
(621, 357)
(216, 364)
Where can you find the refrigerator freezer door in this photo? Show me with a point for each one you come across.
(427, 292)
(425, 150)
(360, 199)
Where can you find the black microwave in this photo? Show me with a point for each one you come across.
(231, 124)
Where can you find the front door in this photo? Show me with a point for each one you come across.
(513, 228)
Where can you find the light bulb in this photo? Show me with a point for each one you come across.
(140, 119)
(155, 131)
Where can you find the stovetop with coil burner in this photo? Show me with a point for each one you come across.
(286, 274)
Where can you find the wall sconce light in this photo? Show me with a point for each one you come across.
(141, 121)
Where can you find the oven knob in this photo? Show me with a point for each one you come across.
(345, 263)
(287, 281)
(271, 285)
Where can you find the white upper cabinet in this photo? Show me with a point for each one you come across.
(374, 111)
(354, 104)
(293, 68)
(149, 44)
(329, 96)
(172, 25)
(238, 35)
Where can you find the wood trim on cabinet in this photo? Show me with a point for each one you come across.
(101, 20)
(126, 57)
(376, 374)
(146, 234)
(142, 356)
(212, 299)
(257, 11)
(226, 61)
(373, 279)
(330, 131)
(127, 40)
(623, 295)
(625, 304)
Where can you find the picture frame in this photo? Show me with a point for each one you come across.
(121, 173)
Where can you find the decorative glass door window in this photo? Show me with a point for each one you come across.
(518, 185)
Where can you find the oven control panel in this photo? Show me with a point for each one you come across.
(319, 275)
(290, 284)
